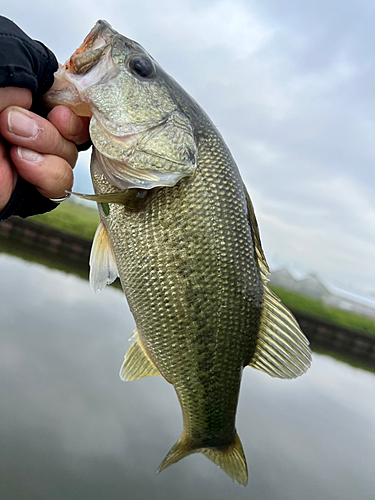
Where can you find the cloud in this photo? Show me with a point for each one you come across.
(228, 25)
(336, 235)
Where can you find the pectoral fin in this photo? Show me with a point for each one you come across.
(103, 269)
(137, 363)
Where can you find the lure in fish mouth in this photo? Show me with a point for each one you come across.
(179, 229)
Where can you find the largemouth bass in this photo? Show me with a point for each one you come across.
(179, 229)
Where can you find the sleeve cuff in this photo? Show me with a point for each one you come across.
(26, 201)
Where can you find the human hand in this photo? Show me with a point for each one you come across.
(42, 151)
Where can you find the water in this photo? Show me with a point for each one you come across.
(70, 429)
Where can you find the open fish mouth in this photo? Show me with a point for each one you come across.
(79, 72)
(101, 34)
(97, 43)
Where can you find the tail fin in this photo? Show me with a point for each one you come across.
(230, 459)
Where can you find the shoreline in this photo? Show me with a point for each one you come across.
(59, 249)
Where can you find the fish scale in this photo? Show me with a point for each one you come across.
(179, 229)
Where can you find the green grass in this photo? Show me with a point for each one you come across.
(316, 308)
(72, 218)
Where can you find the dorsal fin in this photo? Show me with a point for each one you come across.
(103, 269)
(256, 236)
(282, 349)
(137, 363)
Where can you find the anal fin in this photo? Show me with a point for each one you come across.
(137, 363)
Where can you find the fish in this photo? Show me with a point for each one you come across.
(178, 227)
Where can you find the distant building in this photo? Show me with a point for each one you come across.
(312, 286)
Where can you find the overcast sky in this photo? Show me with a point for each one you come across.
(289, 84)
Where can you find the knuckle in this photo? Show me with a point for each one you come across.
(64, 176)
(57, 176)
(55, 142)
(15, 96)
(63, 148)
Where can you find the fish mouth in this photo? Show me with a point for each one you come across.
(96, 44)
(82, 70)
(91, 63)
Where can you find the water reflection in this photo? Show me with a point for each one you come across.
(70, 429)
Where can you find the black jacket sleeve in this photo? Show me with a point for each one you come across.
(26, 63)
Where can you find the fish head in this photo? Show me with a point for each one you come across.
(136, 121)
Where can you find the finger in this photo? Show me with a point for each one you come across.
(8, 177)
(23, 128)
(51, 174)
(13, 96)
(74, 128)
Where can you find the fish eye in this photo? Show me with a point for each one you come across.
(142, 66)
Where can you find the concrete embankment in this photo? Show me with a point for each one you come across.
(53, 241)
(326, 336)
(72, 250)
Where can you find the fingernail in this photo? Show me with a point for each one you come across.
(21, 124)
(27, 154)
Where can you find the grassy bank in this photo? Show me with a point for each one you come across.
(73, 218)
(316, 308)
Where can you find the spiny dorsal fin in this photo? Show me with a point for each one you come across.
(230, 459)
(103, 269)
(282, 349)
(137, 363)
(256, 236)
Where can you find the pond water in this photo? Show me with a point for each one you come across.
(71, 429)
